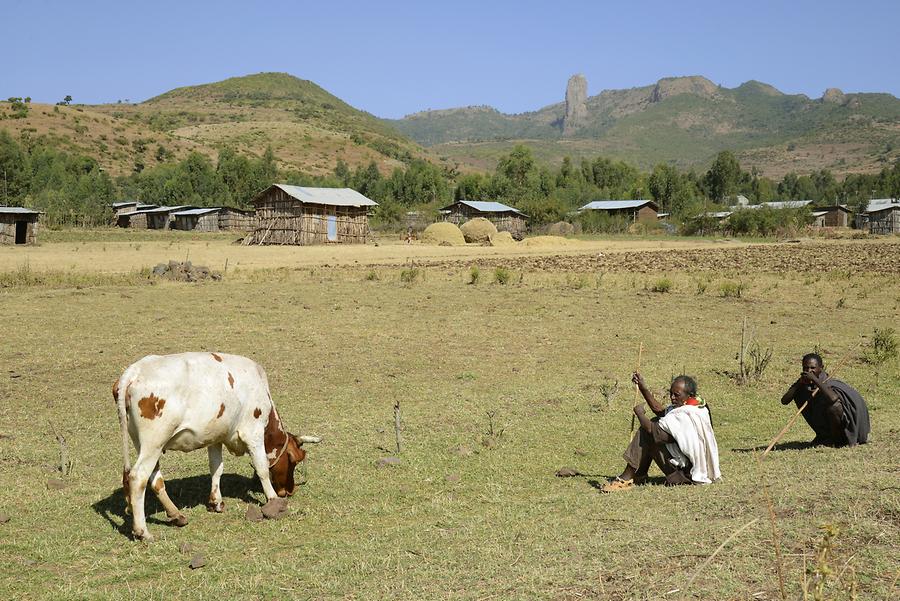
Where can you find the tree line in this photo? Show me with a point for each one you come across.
(73, 190)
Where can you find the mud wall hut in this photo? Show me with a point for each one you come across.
(504, 217)
(136, 218)
(18, 225)
(161, 218)
(300, 215)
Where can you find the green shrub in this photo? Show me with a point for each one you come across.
(474, 274)
(408, 276)
(730, 289)
(662, 285)
(883, 347)
(701, 287)
(372, 276)
(502, 275)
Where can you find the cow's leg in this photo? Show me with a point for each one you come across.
(216, 467)
(159, 487)
(137, 480)
(261, 465)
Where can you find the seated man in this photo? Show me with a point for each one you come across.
(680, 439)
(837, 413)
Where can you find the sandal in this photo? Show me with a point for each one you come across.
(617, 484)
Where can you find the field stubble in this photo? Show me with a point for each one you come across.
(456, 518)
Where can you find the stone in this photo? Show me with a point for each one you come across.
(576, 104)
(185, 548)
(197, 561)
(254, 514)
(387, 461)
(275, 508)
(567, 472)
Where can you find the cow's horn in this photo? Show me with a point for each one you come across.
(310, 439)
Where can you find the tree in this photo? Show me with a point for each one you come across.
(67, 100)
(723, 176)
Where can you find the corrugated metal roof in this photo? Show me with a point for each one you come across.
(485, 206)
(19, 211)
(190, 212)
(340, 197)
(127, 203)
(167, 209)
(787, 204)
(881, 204)
(611, 205)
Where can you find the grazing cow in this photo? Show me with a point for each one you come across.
(195, 400)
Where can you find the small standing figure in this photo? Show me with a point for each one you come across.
(409, 234)
(837, 413)
(680, 439)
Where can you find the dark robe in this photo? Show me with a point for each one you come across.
(855, 421)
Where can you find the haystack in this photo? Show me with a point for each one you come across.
(443, 234)
(502, 239)
(478, 230)
(548, 241)
(561, 228)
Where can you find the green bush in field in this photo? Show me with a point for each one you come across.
(474, 274)
(502, 275)
(372, 276)
(662, 285)
(730, 289)
(409, 276)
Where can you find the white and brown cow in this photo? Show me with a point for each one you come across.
(194, 400)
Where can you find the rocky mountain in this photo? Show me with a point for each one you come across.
(683, 121)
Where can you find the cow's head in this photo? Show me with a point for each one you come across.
(282, 471)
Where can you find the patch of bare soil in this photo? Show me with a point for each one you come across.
(879, 256)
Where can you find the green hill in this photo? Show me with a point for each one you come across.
(683, 121)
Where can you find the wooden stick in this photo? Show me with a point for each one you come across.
(397, 424)
(637, 389)
(776, 538)
(719, 548)
(803, 406)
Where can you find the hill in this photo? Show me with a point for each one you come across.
(683, 121)
(308, 128)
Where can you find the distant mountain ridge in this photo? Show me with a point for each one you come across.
(683, 121)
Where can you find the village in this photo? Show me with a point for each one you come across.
(295, 215)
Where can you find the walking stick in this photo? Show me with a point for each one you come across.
(637, 389)
(805, 403)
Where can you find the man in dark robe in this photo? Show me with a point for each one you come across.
(837, 413)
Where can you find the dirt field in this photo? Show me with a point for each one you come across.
(344, 332)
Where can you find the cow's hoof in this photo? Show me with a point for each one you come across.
(179, 520)
(144, 536)
(216, 507)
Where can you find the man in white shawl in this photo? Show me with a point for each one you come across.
(680, 439)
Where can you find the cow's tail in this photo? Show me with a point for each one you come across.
(119, 397)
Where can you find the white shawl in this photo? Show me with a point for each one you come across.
(692, 430)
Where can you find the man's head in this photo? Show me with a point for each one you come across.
(813, 362)
(682, 388)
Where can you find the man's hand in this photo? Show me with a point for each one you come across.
(637, 379)
(639, 410)
(811, 376)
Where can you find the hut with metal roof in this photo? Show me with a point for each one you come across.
(882, 216)
(831, 216)
(632, 210)
(136, 218)
(161, 218)
(504, 218)
(18, 225)
(301, 215)
(196, 220)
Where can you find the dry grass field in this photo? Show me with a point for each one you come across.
(345, 332)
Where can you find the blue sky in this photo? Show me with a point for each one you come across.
(392, 58)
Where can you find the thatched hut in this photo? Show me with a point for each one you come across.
(197, 220)
(504, 218)
(288, 214)
(18, 225)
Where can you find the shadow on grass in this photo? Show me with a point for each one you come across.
(184, 492)
(787, 446)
